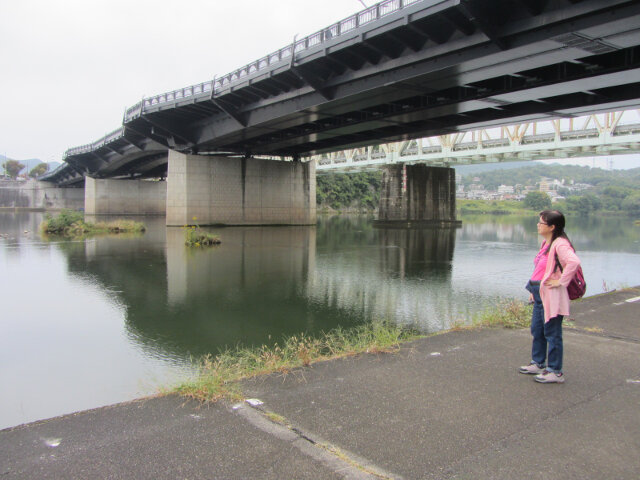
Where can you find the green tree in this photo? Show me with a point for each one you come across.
(537, 201)
(584, 205)
(13, 168)
(342, 190)
(631, 204)
(38, 170)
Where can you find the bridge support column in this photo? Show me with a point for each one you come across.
(124, 197)
(418, 194)
(234, 191)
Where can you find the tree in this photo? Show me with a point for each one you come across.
(584, 204)
(631, 204)
(38, 170)
(13, 168)
(537, 201)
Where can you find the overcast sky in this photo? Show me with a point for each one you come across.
(68, 68)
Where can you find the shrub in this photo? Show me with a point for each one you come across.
(66, 221)
(195, 237)
(71, 224)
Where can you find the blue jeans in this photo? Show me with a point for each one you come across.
(547, 337)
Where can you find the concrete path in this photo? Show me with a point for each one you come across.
(450, 406)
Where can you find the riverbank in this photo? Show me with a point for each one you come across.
(445, 406)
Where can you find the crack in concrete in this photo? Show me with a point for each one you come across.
(341, 462)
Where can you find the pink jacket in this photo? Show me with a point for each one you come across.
(556, 300)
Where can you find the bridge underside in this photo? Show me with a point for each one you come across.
(449, 67)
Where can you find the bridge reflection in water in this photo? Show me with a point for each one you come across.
(263, 283)
(401, 275)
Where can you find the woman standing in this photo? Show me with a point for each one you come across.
(555, 265)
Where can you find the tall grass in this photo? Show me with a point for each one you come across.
(194, 236)
(506, 314)
(218, 375)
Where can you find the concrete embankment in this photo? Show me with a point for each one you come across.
(448, 406)
(35, 195)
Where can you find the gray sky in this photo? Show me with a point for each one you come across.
(70, 67)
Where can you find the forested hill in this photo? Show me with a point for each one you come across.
(530, 175)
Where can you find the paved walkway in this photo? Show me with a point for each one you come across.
(448, 406)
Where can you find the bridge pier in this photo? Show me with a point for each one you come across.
(418, 195)
(124, 197)
(233, 191)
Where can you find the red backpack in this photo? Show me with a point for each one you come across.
(577, 286)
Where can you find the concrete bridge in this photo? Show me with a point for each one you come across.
(399, 70)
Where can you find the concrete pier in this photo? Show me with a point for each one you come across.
(124, 197)
(418, 194)
(233, 191)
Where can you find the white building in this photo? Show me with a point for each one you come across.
(504, 189)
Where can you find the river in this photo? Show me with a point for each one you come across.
(92, 322)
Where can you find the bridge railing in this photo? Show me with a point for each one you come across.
(342, 27)
(611, 133)
(101, 142)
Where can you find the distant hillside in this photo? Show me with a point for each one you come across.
(531, 173)
(490, 167)
(30, 163)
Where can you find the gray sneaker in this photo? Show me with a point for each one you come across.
(549, 377)
(531, 369)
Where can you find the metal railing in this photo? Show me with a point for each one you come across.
(342, 27)
(101, 142)
(613, 133)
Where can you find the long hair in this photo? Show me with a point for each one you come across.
(555, 218)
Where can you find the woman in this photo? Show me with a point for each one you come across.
(555, 265)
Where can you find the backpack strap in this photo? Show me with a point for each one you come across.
(558, 264)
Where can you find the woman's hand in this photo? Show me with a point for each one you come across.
(552, 283)
(531, 298)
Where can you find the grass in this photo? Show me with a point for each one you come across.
(71, 224)
(507, 314)
(274, 417)
(195, 237)
(493, 207)
(218, 375)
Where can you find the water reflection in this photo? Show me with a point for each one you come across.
(401, 275)
(601, 233)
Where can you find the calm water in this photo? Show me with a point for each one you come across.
(93, 322)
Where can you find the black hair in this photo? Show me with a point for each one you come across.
(555, 218)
